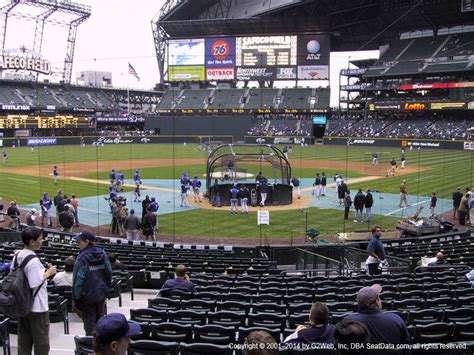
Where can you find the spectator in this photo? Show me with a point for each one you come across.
(359, 202)
(433, 202)
(145, 204)
(75, 204)
(64, 278)
(439, 260)
(132, 225)
(463, 209)
(376, 252)
(347, 205)
(14, 213)
(91, 281)
(66, 220)
(260, 342)
(369, 202)
(149, 225)
(349, 332)
(180, 282)
(320, 331)
(112, 334)
(383, 327)
(457, 196)
(33, 329)
(116, 263)
(31, 217)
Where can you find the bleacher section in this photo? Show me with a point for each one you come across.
(261, 98)
(227, 99)
(193, 99)
(296, 98)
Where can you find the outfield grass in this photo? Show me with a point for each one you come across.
(447, 170)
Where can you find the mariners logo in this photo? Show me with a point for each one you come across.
(220, 49)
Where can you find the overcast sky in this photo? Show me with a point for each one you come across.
(119, 32)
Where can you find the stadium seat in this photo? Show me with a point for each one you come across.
(464, 331)
(152, 347)
(408, 304)
(434, 332)
(269, 308)
(224, 318)
(214, 334)
(174, 332)
(459, 315)
(233, 306)
(148, 315)
(177, 294)
(466, 301)
(199, 305)
(163, 303)
(267, 320)
(425, 316)
(187, 317)
(83, 345)
(441, 303)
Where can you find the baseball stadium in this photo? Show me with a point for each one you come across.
(258, 165)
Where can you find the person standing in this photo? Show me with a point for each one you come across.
(149, 225)
(45, 205)
(132, 226)
(317, 184)
(66, 220)
(55, 174)
(92, 278)
(457, 196)
(136, 177)
(215, 196)
(33, 329)
(393, 166)
(342, 189)
(376, 252)
(296, 184)
(14, 213)
(234, 199)
(433, 202)
(75, 204)
(285, 151)
(120, 180)
(244, 195)
(31, 217)
(463, 209)
(403, 194)
(136, 191)
(263, 191)
(359, 203)
(145, 204)
(369, 202)
(196, 184)
(375, 159)
(184, 193)
(403, 160)
(112, 177)
(4, 156)
(324, 182)
(347, 205)
(338, 181)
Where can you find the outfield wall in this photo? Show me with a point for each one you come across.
(399, 142)
(237, 126)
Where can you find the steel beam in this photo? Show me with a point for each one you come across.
(4, 12)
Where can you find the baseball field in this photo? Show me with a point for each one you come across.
(83, 171)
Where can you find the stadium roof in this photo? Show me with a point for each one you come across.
(354, 25)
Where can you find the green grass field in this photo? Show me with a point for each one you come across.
(447, 169)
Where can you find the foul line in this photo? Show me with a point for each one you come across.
(103, 182)
(349, 181)
(25, 180)
(403, 208)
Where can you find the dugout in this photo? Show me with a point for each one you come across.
(241, 163)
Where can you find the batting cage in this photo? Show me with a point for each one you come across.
(249, 165)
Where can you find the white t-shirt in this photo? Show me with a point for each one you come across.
(34, 271)
(63, 278)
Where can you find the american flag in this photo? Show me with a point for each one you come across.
(132, 71)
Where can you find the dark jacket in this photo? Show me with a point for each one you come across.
(369, 200)
(131, 222)
(92, 276)
(312, 335)
(13, 212)
(149, 223)
(457, 196)
(57, 198)
(66, 220)
(244, 192)
(359, 201)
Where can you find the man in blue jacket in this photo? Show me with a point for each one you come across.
(92, 278)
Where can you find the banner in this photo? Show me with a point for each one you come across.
(186, 51)
(256, 73)
(468, 145)
(41, 141)
(349, 72)
(220, 74)
(448, 105)
(313, 72)
(15, 107)
(424, 86)
(286, 73)
(186, 73)
(220, 52)
(258, 51)
(313, 49)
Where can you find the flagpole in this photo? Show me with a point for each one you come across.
(128, 94)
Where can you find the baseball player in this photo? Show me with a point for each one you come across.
(184, 193)
(32, 148)
(55, 174)
(153, 207)
(185, 181)
(120, 179)
(196, 184)
(112, 177)
(136, 177)
(244, 195)
(393, 166)
(324, 182)
(234, 199)
(375, 159)
(45, 205)
(403, 194)
(296, 184)
(338, 181)
(403, 160)
(5, 156)
(433, 202)
(317, 183)
(136, 190)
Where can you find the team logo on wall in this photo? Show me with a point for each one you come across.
(220, 52)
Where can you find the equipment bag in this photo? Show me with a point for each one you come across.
(16, 296)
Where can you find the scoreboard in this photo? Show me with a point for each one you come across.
(258, 51)
(42, 122)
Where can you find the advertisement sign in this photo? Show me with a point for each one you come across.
(385, 106)
(423, 86)
(286, 73)
(313, 72)
(186, 73)
(448, 105)
(256, 73)
(186, 51)
(25, 63)
(220, 52)
(41, 141)
(319, 119)
(424, 144)
(348, 72)
(22, 133)
(257, 51)
(351, 141)
(362, 86)
(414, 106)
(220, 74)
(468, 145)
(116, 140)
(15, 107)
(313, 50)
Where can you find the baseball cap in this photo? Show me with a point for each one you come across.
(369, 294)
(33, 210)
(115, 326)
(85, 235)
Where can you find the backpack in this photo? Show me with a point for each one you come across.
(16, 296)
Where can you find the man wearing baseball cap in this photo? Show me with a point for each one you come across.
(112, 334)
(92, 277)
(383, 327)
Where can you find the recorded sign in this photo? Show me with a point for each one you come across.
(266, 51)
